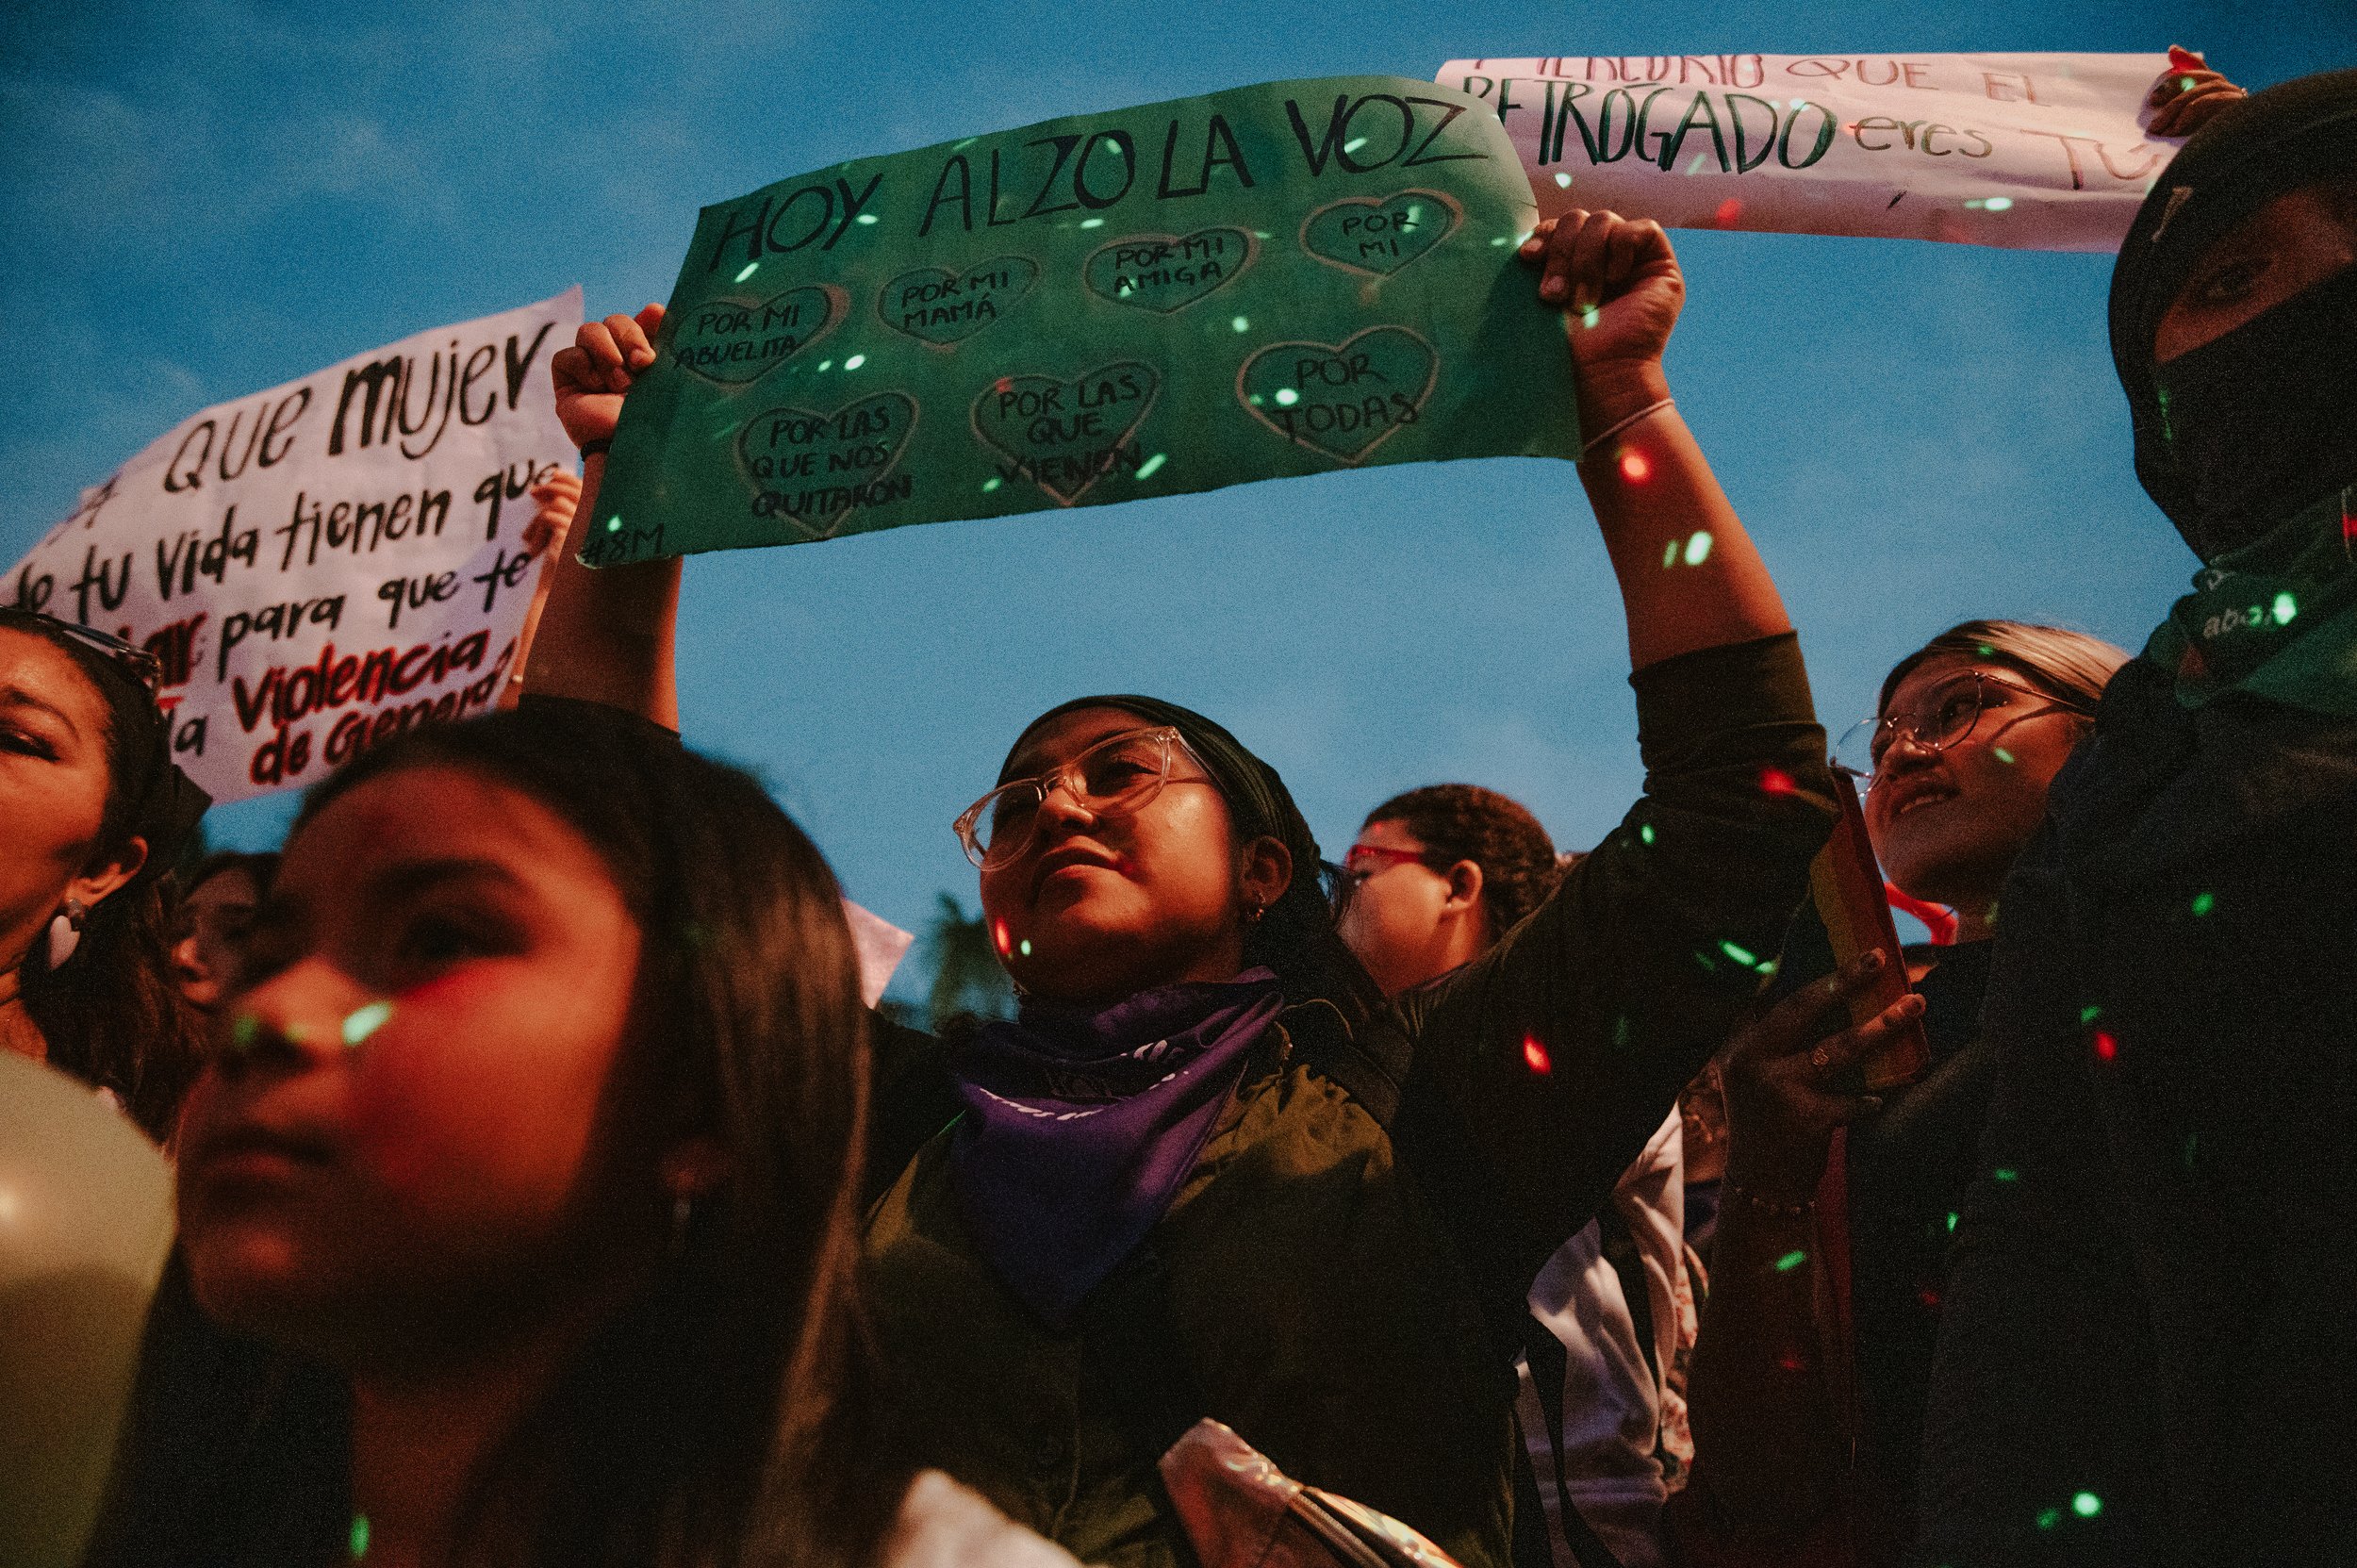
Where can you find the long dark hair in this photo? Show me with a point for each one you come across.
(724, 1416)
(112, 1016)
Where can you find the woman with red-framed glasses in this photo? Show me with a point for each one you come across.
(1209, 1170)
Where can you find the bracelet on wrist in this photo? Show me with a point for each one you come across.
(1588, 447)
(1766, 1206)
(592, 449)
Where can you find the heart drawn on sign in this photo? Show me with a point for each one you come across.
(738, 342)
(944, 308)
(1344, 399)
(1065, 436)
(1163, 272)
(816, 470)
(1360, 233)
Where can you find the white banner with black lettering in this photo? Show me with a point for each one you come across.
(332, 561)
(2036, 152)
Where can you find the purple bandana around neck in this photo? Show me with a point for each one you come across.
(1079, 1127)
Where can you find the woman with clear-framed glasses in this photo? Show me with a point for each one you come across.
(1208, 1170)
(1967, 735)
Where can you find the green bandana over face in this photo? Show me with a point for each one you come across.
(2277, 618)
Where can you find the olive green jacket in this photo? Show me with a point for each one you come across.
(1344, 1294)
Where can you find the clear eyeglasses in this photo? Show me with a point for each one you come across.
(1117, 777)
(1951, 717)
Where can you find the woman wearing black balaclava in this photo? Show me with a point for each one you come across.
(2150, 1351)
(1209, 1170)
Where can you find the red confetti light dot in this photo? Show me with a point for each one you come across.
(1635, 468)
(998, 934)
(1004, 384)
(1535, 1056)
(1792, 1361)
(2105, 1047)
(1729, 211)
(1776, 781)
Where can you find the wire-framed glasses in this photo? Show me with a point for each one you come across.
(1951, 715)
(1117, 777)
(136, 664)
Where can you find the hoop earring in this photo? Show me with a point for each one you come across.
(1253, 911)
(65, 933)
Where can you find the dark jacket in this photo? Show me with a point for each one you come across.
(2149, 1350)
(1335, 1289)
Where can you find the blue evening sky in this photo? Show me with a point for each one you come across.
(200, 199)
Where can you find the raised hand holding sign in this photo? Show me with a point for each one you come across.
(1278, 280)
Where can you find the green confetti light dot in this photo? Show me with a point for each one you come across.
(1670, 554)
(364, 1021)
(1952, 1222)
(1644, 831)
(1501, 239)
(2086, 1505)
(864, 218)
(826, 364)
(855, 362)
(2088, 1013)
(2286, 606)
(1741, 955)
(989, 485)
(1147, 469)
(1589, 316)
(1791, 1260)
(1698, 548)
(359, 1536)
(1998, 204)
(1287, 397)
(245, 1030)
(2204, 902)
(1242, 323)
(1354, 144)
(2048, 1517)
(1024, 946)
(2002, 756)
(2003, 1174)
(1562, 181)
(1092, 222)
(1986, 651)
(613, 524)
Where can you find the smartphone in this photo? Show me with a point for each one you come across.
(1848, 914)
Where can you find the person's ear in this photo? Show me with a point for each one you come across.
(1464, 887)
(97, 882)
(1266, 872)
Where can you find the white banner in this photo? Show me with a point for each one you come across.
(2036, 152)
(329, 562)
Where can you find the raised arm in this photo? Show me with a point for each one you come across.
(1541, 1068)
(1690, 577)
(606, 636)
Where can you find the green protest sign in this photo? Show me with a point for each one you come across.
(1274, 281)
